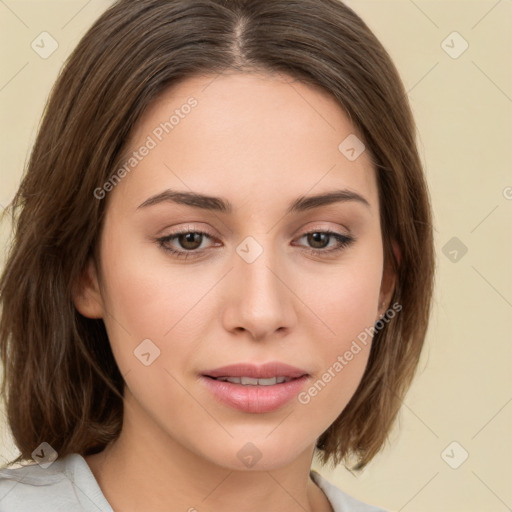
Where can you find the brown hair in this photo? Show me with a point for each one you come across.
(61, 383)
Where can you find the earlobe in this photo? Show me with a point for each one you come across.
(86, 292)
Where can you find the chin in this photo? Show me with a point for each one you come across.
(260, 451)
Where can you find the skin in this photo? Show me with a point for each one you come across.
(259, 141)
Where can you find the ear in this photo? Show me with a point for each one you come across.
(86, 292)
(388, 282)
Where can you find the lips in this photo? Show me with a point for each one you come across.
(250, 381)
(255, 389)
(265, 371)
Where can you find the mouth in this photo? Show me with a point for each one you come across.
(252, 372)
(250, 381)
(255, 389)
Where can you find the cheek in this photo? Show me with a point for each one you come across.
(342, 357)
(149, 299)
(346, 304)
(344, 299)
(144, 292)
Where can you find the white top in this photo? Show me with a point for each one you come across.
(68, 485)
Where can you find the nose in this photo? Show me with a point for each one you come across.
(260, 298)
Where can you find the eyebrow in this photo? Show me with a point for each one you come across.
(221, 205)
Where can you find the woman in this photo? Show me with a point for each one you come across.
(222, 264)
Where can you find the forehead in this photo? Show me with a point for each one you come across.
(246, 135)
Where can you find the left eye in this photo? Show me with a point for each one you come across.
(190, 242)
(320, 239)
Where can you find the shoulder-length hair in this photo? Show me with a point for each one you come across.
(61, 383)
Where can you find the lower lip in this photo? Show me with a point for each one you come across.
(256, 399)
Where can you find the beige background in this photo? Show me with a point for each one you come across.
(463, 108)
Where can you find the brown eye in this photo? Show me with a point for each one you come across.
(318, 240)
(190, 241)
(185, 244)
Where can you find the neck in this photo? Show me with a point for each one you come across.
(146, 469)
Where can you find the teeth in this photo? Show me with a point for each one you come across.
(266, 382)
(234, 380)
(250, 381)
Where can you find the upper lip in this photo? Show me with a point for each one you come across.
(263, 371)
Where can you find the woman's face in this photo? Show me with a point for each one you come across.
(256, 284)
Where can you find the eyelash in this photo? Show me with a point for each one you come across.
(342, 240)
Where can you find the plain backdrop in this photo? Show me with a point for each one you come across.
(451, 448)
